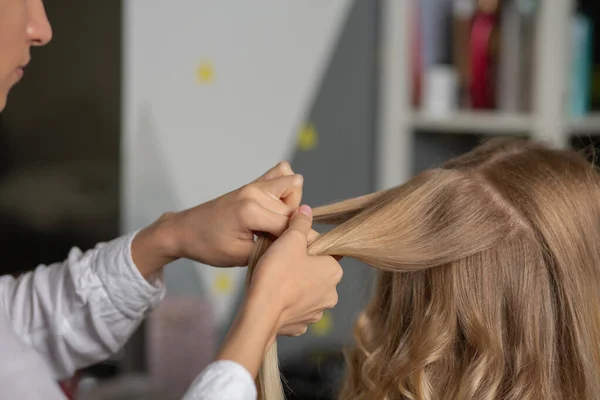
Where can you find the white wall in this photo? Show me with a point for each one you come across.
(185, 142)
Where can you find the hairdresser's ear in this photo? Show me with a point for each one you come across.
(282, 169)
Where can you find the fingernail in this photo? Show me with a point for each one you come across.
(306, 210)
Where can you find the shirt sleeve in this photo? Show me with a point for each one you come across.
(223, 380)
(81, 311)
(23, 374)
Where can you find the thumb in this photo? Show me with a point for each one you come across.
(302, 220)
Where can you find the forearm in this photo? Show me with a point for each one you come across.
(233, 373)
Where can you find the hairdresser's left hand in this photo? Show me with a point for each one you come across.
(221, 231)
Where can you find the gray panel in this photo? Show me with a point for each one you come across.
(342, 165)
(433, 149)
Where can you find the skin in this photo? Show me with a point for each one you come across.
(290, 289)
(291, 286)
(23, 25)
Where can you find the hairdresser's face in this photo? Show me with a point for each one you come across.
(23, 23)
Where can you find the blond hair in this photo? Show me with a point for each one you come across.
(489, 284)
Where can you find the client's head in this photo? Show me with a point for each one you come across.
(489, 282)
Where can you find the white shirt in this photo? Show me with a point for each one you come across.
(69, 315)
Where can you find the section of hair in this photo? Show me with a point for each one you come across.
(489, 283)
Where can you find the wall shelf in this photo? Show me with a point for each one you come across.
(401, 129)
(491, 123)
(586, 125)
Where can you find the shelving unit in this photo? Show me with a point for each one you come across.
(398, 123)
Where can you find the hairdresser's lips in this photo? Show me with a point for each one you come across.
(19, 72)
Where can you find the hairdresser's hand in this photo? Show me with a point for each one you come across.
(295, 286)
(221, 232)
(289, 291)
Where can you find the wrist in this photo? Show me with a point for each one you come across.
(263, 310)
(250, 336)
(154, 246)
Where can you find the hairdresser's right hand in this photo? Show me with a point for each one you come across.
(295, 286)
(289, 291)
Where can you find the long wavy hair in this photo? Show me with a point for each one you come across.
(488, 283)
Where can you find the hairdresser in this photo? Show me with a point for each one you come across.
(66, 316)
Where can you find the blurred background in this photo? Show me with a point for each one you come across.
(143, 106)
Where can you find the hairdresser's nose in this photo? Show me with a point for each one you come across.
(39, 31)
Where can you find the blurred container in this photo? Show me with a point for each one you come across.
(440, 91)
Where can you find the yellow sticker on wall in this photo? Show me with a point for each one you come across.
(308, 137)
(324, 326)
(223, 283)
(205, 73)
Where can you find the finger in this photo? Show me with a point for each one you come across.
(312, 235)
(338, 273)
(316, 318)
(294, 330)
(330, 267)
(243, 253)
(277, 206)
(287, 189)
(301, 221)
(281, 169)
(260, 219)
(332, 301)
